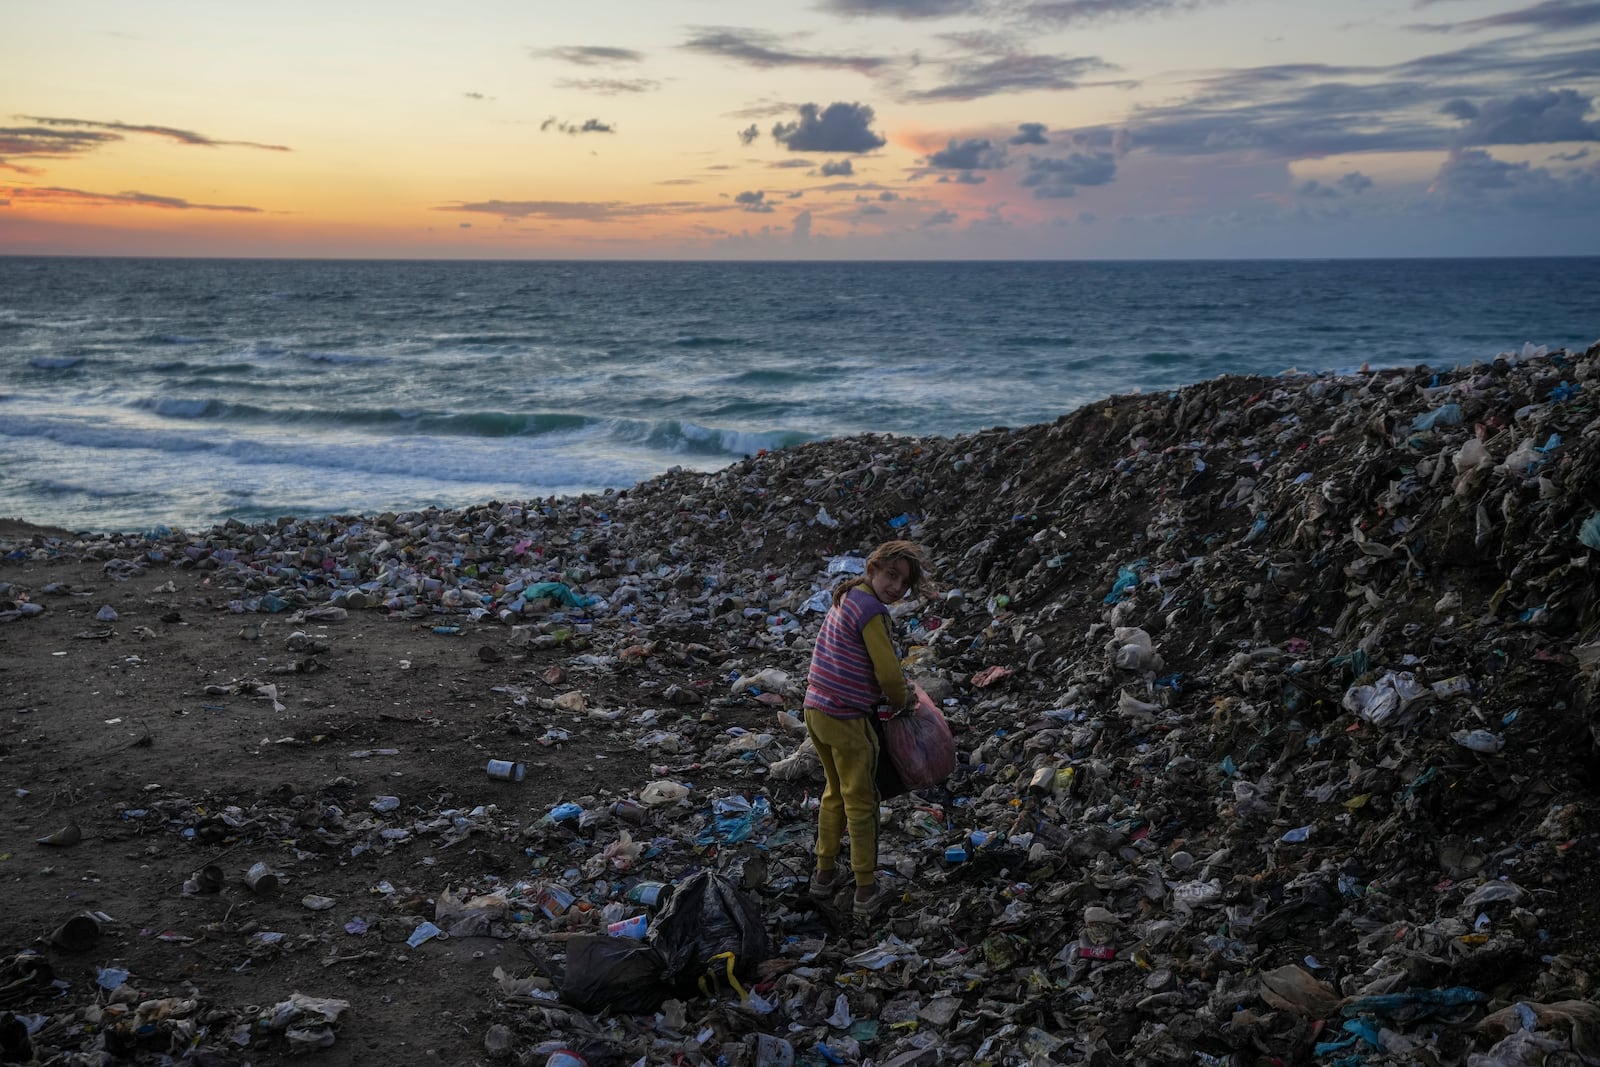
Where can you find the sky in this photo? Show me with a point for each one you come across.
(831, 129)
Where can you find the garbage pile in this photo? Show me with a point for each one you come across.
(1276, 701)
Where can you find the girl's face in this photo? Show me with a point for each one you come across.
(890, 580)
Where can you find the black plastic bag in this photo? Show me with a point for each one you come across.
(613, 972)
(708, 920)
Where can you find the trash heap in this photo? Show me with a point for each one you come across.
(1276, 701)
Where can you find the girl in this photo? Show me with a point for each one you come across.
(854, 669)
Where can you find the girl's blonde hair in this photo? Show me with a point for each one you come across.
(917, 580)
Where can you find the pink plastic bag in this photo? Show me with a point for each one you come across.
(920, 744)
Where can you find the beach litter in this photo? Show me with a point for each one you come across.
(1274, 703)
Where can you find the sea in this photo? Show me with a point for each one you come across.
(149, 394)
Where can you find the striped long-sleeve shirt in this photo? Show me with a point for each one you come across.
(853, 666)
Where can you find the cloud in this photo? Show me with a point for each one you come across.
(1308, 111)
(757, 48)
(973, 78)
(1057, 179)
(588, 55)
(474, 96)
(18, 168)
(42, 142)
(839, 127)
(940, 218)
(905, 9)
(969, 154)
(841, 169)
(608, 86)
(1530, 118)
(1472, 180)
(802, 226)
(1355, 182)
(962, 177)
(587, 126)
(571, 210)
(1029, 133)
(1553, 15)
(1079, 12)
(55, 195)
(789, 164)
(1472, 171)
(1571, 157)
(1047, 12)
(188, 137)
(749, 134)
(754, 201)
(768, 110)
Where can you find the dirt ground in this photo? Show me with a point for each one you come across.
(104, 721)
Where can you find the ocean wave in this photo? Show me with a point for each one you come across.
(338, 358)
(77, 325)
(674, 435)
(663, 435)
(54, 362)
(1037, 340)
(51, 487)
(395, 420)
(338, 464)
(178, 408)
(496, 340)
(770, 376)
(698, 341)
(389, 437)
(179, 366)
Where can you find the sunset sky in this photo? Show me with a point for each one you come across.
(835, 129)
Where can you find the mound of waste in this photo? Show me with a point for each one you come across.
(1275, 698)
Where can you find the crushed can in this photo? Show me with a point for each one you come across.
(504, 770)
(650, 894)
(630, 811)
(261, 880)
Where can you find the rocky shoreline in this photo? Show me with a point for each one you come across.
(1275, 701)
